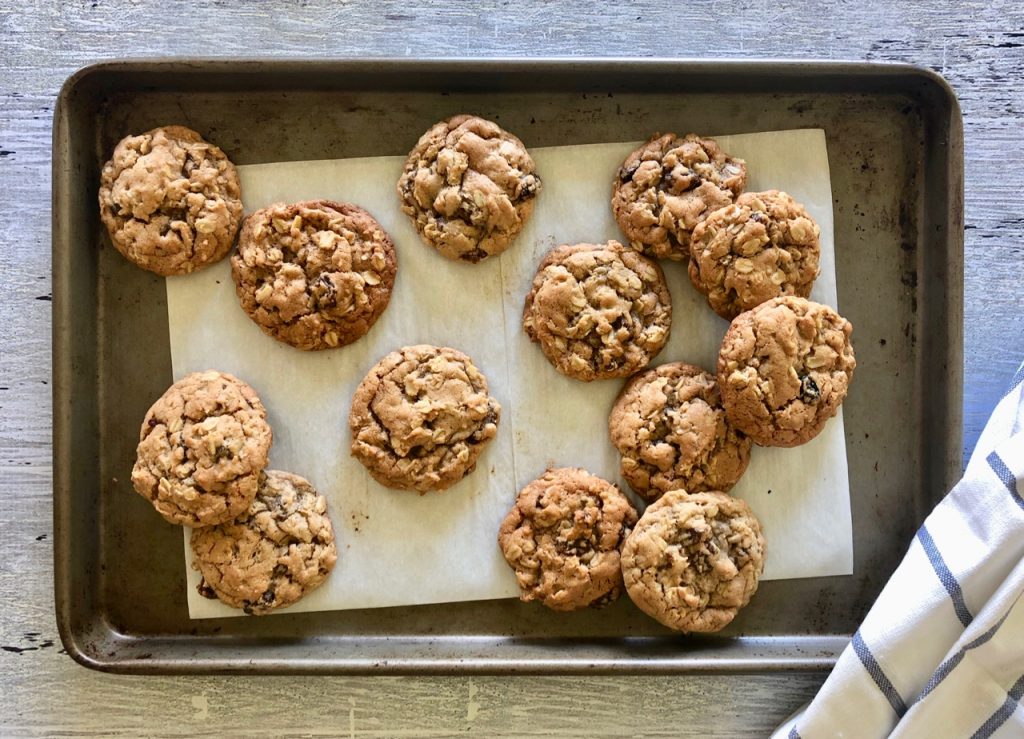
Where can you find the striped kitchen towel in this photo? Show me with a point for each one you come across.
(941, 653)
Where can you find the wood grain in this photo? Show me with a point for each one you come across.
(978, 46)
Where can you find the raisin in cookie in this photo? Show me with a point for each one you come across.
(670, 428)
(784, 369)
(598, 311)
(421, 417)
(315, 274)
(562, 538)
(693, 561)
(469, 187)
(664, 188)
(170, 200)
(763, 246)
(201, 449)
(281, 548)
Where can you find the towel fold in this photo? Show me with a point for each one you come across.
(941, 652)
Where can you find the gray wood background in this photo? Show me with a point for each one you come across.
(978, 46)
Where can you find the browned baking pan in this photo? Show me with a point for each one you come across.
(895, 146)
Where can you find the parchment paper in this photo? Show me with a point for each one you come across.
(399, 548)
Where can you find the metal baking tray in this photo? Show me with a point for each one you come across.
(895, 145)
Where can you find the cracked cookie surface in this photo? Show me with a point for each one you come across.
(669, 425)
(469, 187)
(664, 188)
(201, 449)
(315, 274)
(693, 561)
(598, 311)
(784, 369)
(170, 200)
(562, 538)
(761, 247)
(279, 550)
(421, 418)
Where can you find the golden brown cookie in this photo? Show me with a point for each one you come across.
(784, 369)
(693, 561)
(201, 449)
(315, 274)
(670, 428)
(598, 311)
(469, 187)
(421, 417)
(170, 200)
(763, 246)
(664, 188)
(276, 552)
(562, 538)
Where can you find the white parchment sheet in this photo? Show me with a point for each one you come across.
(399, 548)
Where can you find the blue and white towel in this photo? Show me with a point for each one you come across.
(941, 653)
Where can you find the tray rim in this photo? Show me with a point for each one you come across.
(827, 647)
(788, 66)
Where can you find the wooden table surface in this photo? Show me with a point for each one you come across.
(978, 46)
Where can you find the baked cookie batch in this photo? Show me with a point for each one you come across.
(318, 274)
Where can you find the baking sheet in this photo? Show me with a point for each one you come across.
(397, 548)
